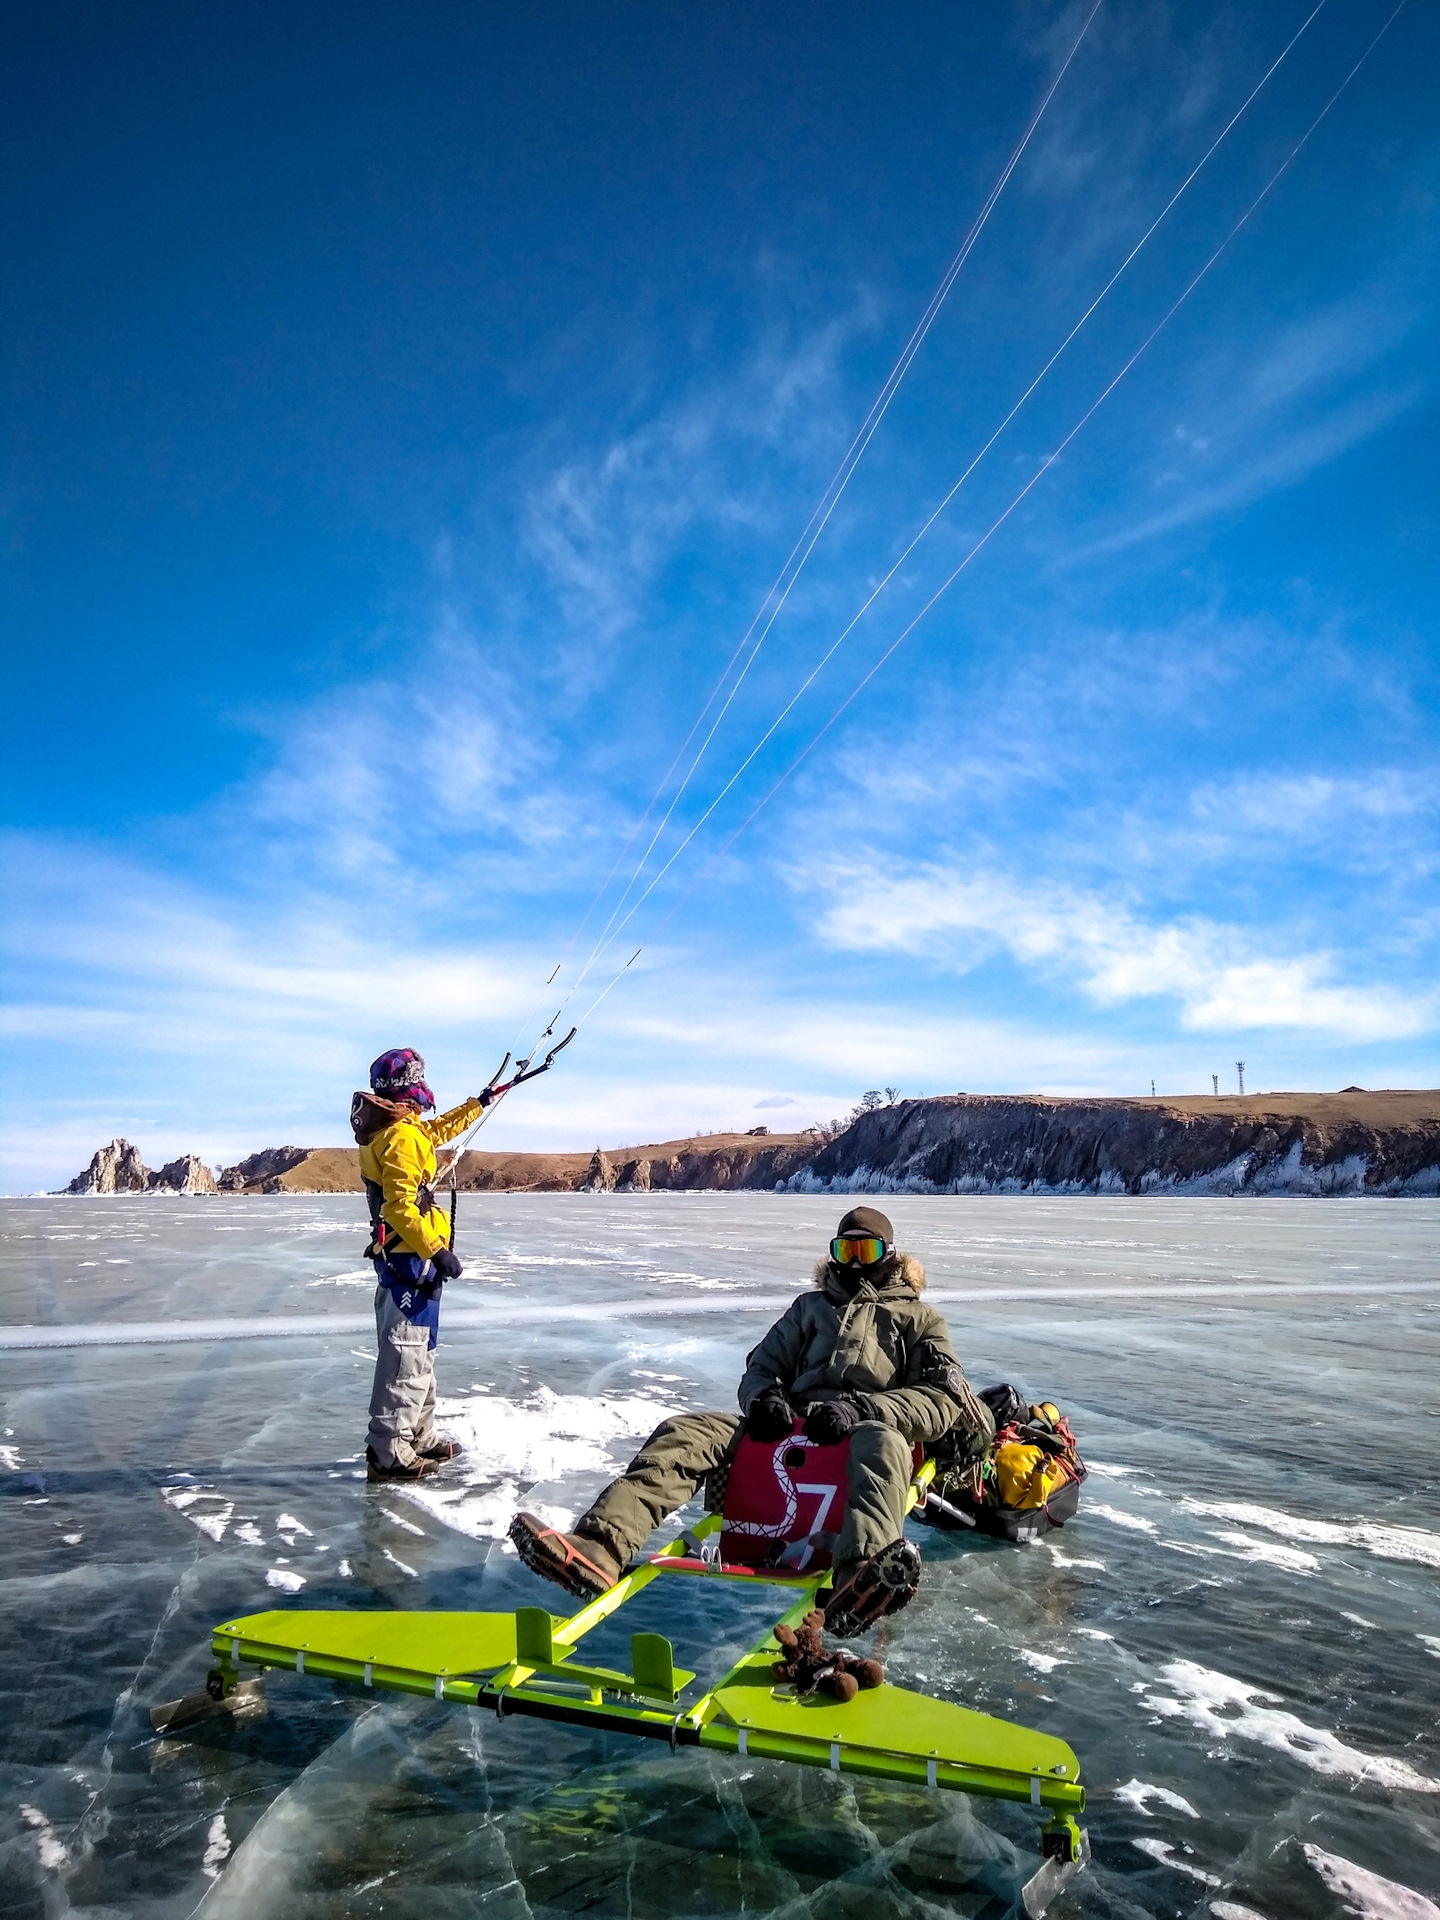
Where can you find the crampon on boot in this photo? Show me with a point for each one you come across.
(811, 1667)
(575, 1561)
(442, 1452)
(867, 1590)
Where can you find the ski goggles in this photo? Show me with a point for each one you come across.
(857, 1250)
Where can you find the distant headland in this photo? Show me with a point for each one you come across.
(1322, 1144)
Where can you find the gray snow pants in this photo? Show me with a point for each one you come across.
(402, 1398)
(677, 1456)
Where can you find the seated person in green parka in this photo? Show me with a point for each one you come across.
(861, 1355)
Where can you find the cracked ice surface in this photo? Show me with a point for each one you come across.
(1238, 1634)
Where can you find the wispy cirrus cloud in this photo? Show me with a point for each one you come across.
(713, 465)
(1222, 977)
(1253, 473)
(1261, 412)
(1376, 822)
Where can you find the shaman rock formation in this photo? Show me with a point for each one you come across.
(118, 1168)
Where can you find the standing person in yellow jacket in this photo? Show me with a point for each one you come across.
(410, 1246)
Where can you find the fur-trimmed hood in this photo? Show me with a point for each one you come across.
(895, 1271)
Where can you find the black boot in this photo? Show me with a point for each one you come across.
(419, 1469)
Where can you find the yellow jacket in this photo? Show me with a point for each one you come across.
(400, 1159)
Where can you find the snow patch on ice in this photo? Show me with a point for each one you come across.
(1429, 1640)
(1070, 1560)
(287, 1523)
(1137, 1523)
(1164, 1852)
(213, 1524)
(282, 1577)
(395, 1561)
(1367, 1895)
(52, 1851)
(1387, 1543)
(217, 1848)
(400, 1521)
(1292, 1559)
(1138, 1793)
(250, 1534)
(1108, 1470)
(1222, 1706)
(213, 1520)
(1232, 1910)
(705, 1283)
(1042, 1662)
(10, 1459)
(512, 1444)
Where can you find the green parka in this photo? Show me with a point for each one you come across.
(874, 1336)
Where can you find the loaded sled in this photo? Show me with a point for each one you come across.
(1026, 1484)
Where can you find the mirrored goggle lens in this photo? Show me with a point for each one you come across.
(851, 1251)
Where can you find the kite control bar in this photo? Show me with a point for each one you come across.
(495, 1088)
(495, 1091)
(523, 1070)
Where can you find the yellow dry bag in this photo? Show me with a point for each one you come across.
(1027, 1476)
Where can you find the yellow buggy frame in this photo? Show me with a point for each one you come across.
(526, 1663)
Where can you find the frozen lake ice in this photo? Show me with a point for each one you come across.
(1240, 1634)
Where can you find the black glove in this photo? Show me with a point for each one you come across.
(770, 1415)
(828, 1421)
(484, 1097)
(446, 1264)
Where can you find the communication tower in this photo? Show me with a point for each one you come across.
(1240, 1073)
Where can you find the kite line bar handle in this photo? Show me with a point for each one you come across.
(533, 1073)
(497, 1093)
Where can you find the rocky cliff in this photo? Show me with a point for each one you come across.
(1297, 1143)
(717, 1160)
(713, 1161)
(264, 1172)
(1280, 1143)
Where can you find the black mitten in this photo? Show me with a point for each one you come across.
(770, 1415)
(828, 1421)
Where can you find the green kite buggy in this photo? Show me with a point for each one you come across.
(528, 1663)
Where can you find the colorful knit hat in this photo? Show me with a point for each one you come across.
(400, 1075)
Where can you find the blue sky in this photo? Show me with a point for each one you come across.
(408, 412)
